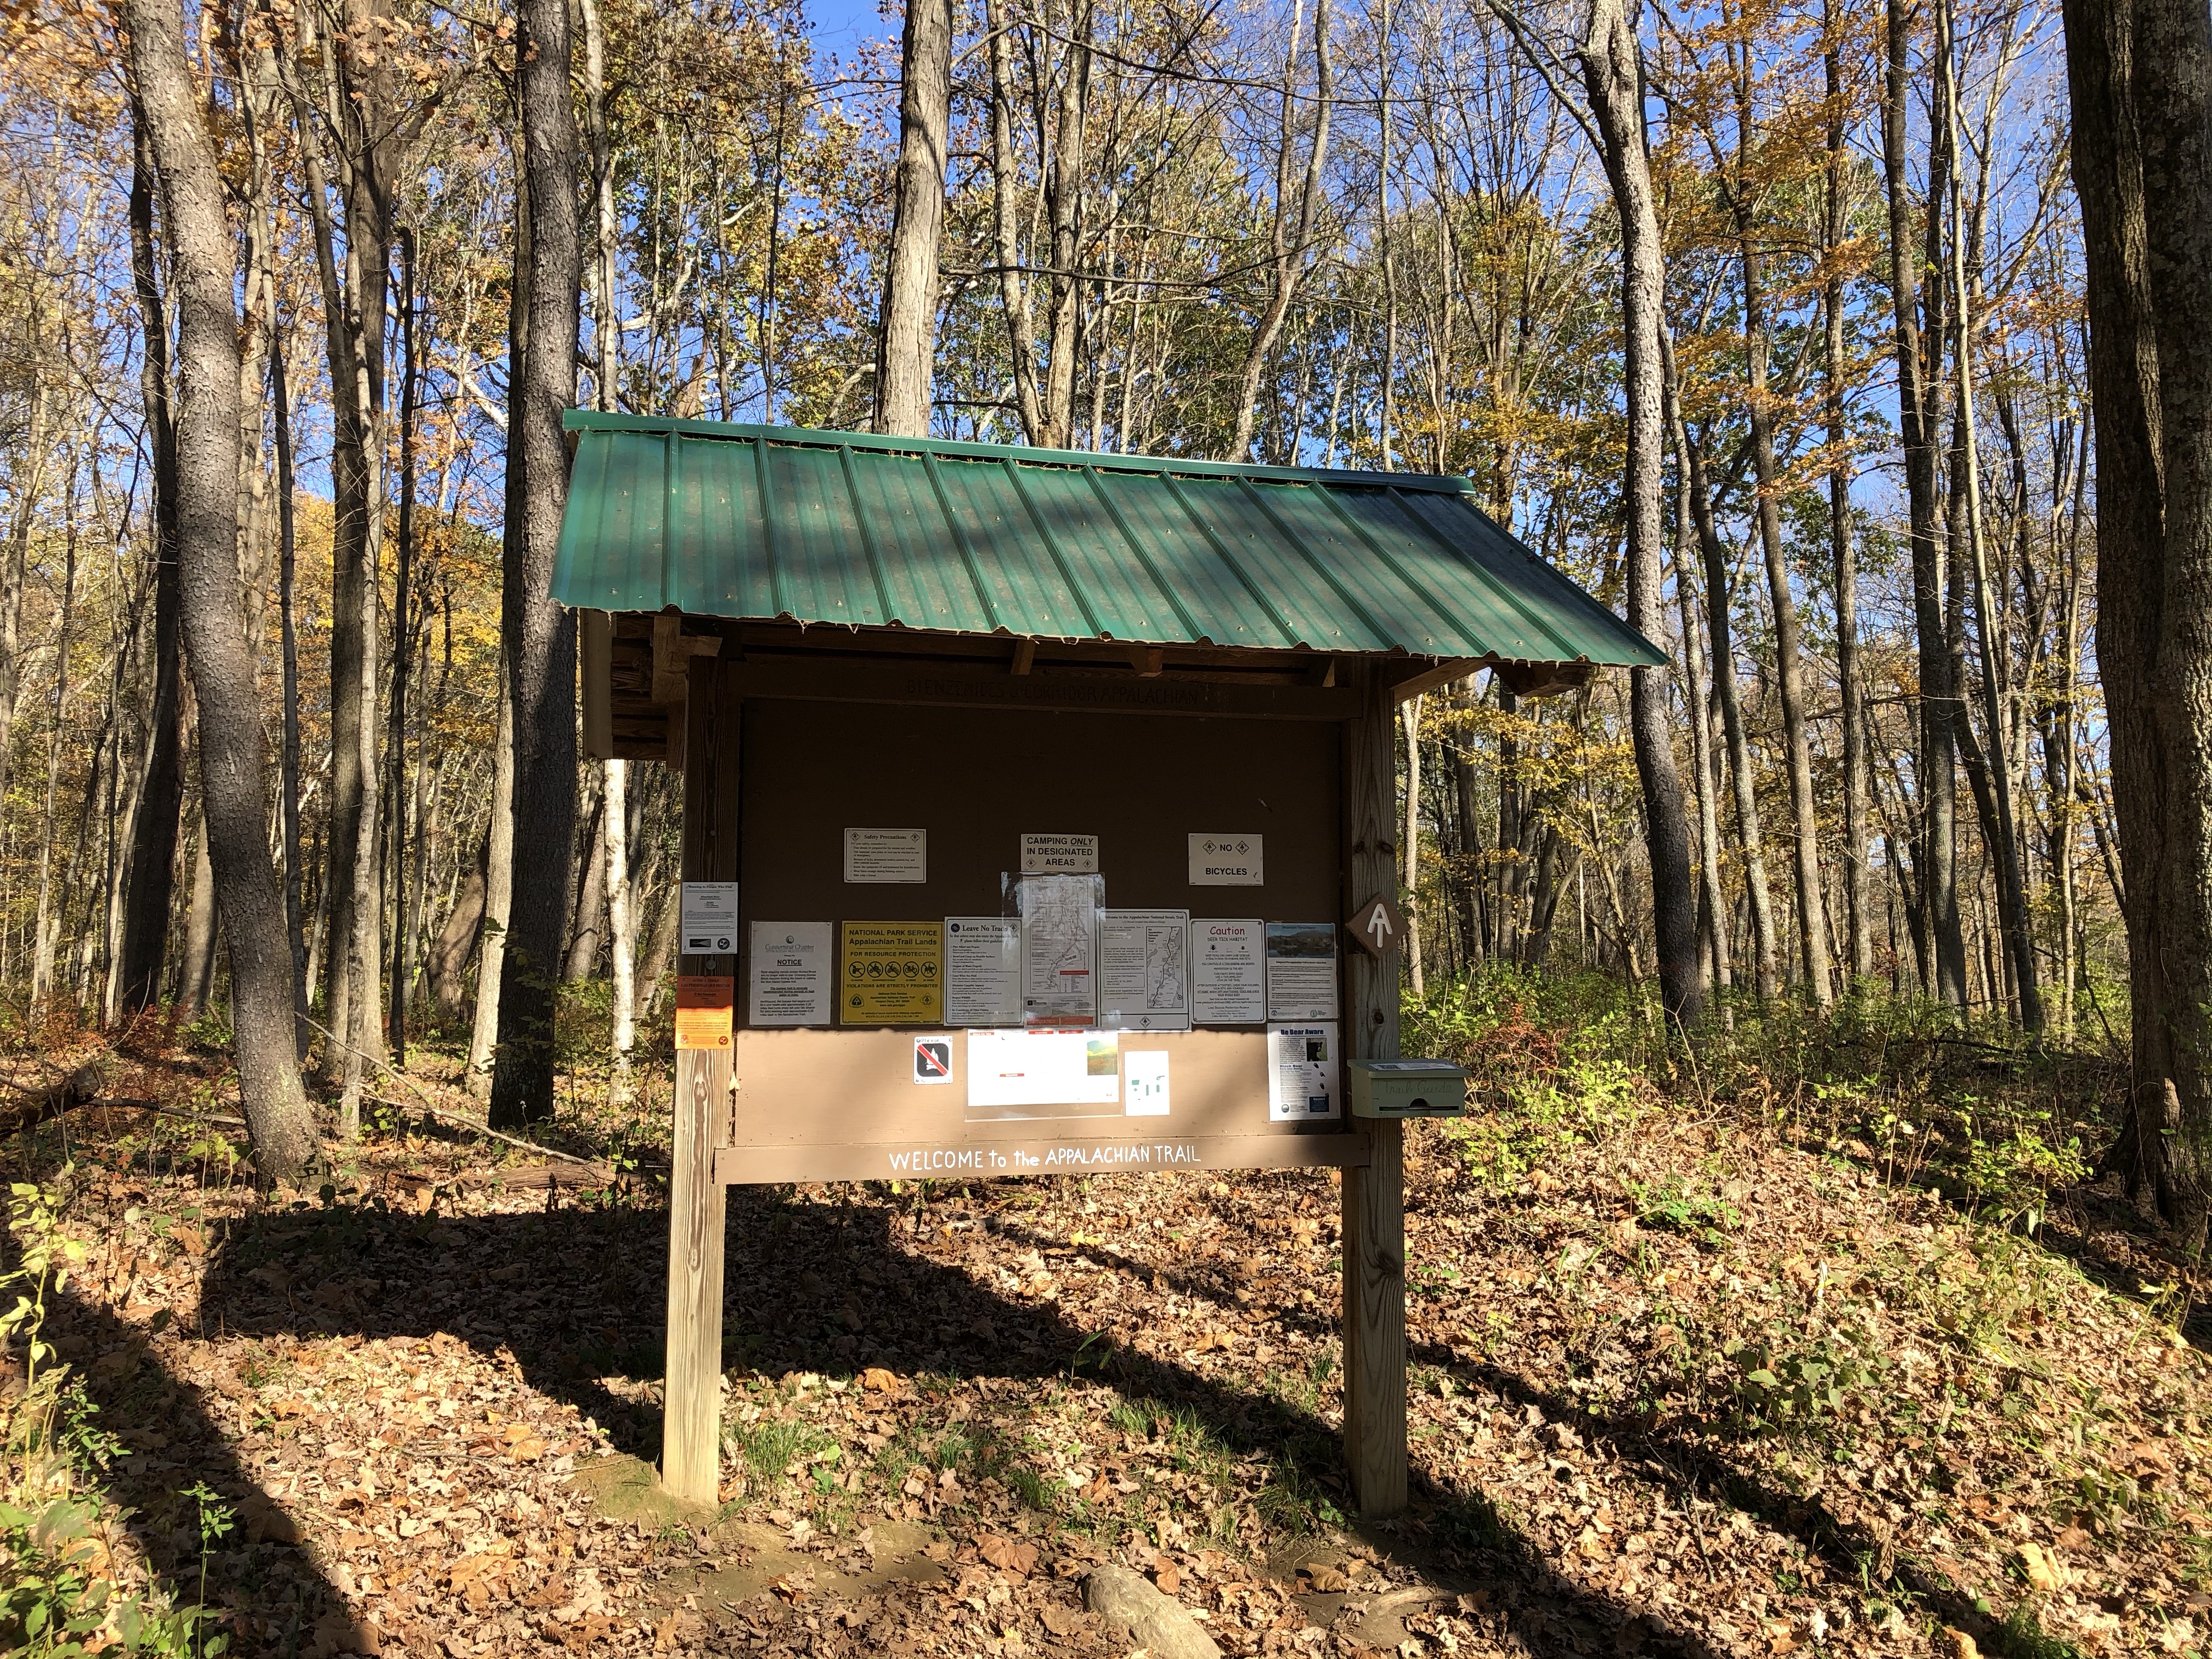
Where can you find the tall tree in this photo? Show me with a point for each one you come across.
(2141, 73)
(1788, 645)
(233, 762)
(1613, 71)
(353, 263)
(907, 352)
(1843, 563)
(1291, 251)
(151, 875)
(1937, 861)
(539, 633)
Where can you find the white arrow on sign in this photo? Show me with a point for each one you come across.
(1378, 924)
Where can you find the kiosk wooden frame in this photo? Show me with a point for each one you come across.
(718, 565)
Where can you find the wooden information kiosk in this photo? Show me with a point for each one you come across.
(1029, 796)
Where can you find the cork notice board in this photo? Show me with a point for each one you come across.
(847, 1101)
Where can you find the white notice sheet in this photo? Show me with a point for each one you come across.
(1043, 1073)
(1302, 970)
(899, 855)
(788, 973)
(709, 916)
(1302, 1073)
(982, 970)
(1145, 1091)
(1143, 971)
(1059, 949)
(1228, 971)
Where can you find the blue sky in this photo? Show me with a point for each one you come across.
(840, 26)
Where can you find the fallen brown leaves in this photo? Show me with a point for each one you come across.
(424, 1401)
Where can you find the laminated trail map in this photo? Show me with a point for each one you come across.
(1143, 971)
(1059, 949)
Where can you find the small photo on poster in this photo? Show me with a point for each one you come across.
(1301, 971)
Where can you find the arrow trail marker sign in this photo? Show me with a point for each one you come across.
(1378, 926)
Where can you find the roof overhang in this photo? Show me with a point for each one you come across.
(693, 537)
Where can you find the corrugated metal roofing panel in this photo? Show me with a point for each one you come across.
(846, 527)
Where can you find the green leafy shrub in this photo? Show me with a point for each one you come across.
(1701, 1216)
(1785, 1381)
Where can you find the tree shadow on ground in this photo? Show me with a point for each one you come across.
(165, 1439)
(576, 1295)
(1854, 1543)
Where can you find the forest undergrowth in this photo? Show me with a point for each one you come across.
(1825, 1342)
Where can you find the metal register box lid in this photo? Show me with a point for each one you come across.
(1407, 1088)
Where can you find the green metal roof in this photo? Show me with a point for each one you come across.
(769, 522)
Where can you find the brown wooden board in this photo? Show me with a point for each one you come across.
(842, 1103)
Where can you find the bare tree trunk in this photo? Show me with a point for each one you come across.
(606, 332)
(457, 940)
(1859, 952)
(196, 975)
(1064, 193)
(908, 351)
(1714, 900)
(2012, 895)
(1291, 251)
(585, 936)
(2141, 72)
(144, 944)
(1384, 60)
(287, 608)
(1789, 646)
(47, 919)
(357, 87)
(607, 337)
(402, 640)
(499, 886)
(1613, 71)
(1013, 288)
(233, 765)
(1938, 862)
(659, 953)
(622, 924)
(540, 635)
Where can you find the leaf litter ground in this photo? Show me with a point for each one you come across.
(1684, 1387)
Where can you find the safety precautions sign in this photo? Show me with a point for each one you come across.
(890, 972)
(704, 1005)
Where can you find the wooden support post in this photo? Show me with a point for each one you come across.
(1373, 1214)
(691, 1408)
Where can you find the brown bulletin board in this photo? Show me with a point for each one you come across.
(840, 1103)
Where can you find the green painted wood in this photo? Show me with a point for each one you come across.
(761, 522)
